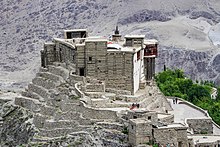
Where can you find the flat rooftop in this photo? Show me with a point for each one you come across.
(134, 36)
(95, 39)
(150, 41)
(119, 48)
(174, 125)
(205, 138)
(76, 30)
(140, 121)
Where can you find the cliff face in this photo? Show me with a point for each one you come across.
(196, 64)
(26, 25)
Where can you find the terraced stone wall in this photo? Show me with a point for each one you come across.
(201, 126)
(97, 113)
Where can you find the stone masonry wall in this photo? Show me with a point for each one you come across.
(120, 71)
(65, 53)
(57, 52)
(96, 59)
(97, 113)
(201, 126)
(151, 116)
(80, 57)
(171, 136)
(49, 53)
(140, 131)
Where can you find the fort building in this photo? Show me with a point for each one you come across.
(90, 81)
(123, 63)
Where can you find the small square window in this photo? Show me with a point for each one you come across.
(90, 58)
(149, 118)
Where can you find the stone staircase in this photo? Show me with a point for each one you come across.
(58, 111)
(54, 104)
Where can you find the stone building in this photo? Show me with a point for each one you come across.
(123, 64)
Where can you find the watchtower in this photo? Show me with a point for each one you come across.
(150, 54)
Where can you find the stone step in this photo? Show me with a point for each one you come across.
(94, 94)
(32, 95)
(48, 110)
(69, 115)
(69, 106)
(51, 124)
(51, 76)
(154, 105)
(58, 70)
(99, 103)
(39, 90)
(43, 69)
(113, 136)
(111, 96)
(111, 126)
(28, 103)
(39, 120)
(60, 131)
(46, 83)
(41, 140)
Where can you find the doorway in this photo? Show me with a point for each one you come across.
(81, 72)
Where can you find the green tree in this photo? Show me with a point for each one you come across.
(218, 94)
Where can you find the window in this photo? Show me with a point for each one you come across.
(81, 72)
(134, 117)
(149, 118)
(137, 41)
(128, 42)
(90, 58)
(138, 55)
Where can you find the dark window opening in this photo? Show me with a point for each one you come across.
(80, 34)
(134, 117)
(81, 72)
(99, 61)
(138, 55)
(68, 35)
(149, 118)
(128, 42)
(90, 58)
(132, 127)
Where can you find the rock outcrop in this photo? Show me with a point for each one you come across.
(16, 124)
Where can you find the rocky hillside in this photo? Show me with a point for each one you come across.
(188, 31)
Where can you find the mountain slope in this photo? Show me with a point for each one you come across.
(26, 25)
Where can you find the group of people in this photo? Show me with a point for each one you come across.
(175, 101)
(135, 105)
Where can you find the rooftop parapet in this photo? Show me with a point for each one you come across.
(134, 40)
(76, 33)
(150, 48)
(150, 42)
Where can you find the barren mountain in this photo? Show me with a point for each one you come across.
(188, 31)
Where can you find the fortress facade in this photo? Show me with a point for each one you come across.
(93, 85)
(123, 63)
